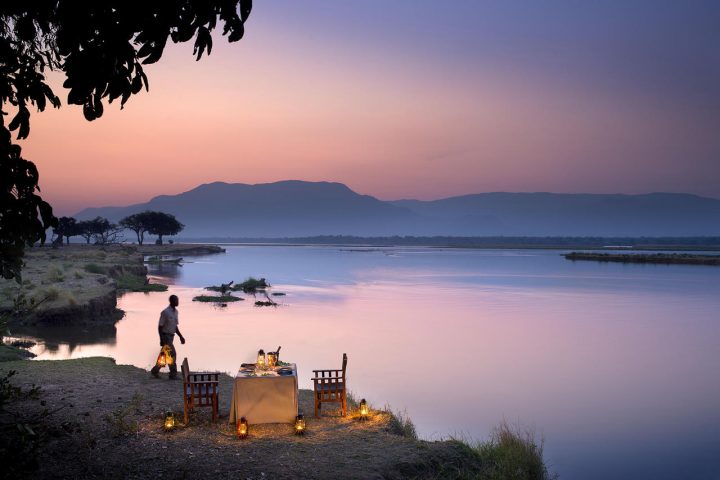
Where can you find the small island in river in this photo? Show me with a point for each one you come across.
(656, 258)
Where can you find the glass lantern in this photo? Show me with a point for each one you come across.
(364, 410)
(272, 359)
(242, 428)
(261, 359)
(169, 423)
(300, 424)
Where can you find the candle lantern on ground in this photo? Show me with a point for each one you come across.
(364, 410)
(300, 424)
(242, 428)
(169, 423)
(261, 359)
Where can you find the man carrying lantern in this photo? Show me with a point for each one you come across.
(167, 328)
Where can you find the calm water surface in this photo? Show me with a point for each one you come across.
(617, 366)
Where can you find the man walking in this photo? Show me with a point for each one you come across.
(167, 328)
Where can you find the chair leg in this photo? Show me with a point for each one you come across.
(214, 408)
(185, 410)
(343, 404)
(316, 405)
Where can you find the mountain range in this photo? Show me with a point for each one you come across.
(300, 209)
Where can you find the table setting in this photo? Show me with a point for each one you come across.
(265, 391)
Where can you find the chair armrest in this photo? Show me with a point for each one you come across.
(316, 371)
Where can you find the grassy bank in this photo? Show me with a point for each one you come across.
(80, 283)
(76, 283)
(107, 423)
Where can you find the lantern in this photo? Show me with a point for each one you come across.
(165, 357)
(261, 359)
(242, 428)
(364, 410)
(299, 424)
(169, 423)
(162, 359)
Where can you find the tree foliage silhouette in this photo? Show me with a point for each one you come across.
(101, 47)
(67, 227)
(151, 222)
(163, 224)
(138, 223)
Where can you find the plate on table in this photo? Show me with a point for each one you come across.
(247, 365)
(285, 371)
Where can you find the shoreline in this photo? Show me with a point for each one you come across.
(107, 422)
(79, 284)
(659, 248)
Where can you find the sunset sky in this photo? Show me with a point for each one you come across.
(412, 99)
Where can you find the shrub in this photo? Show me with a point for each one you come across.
(217, 298)
(512, 453)
(251, 284)
(49, 294)
(400, 424)
(121, 422)
(19, 436)
(136, 283)
(55, 274)
(95, 268)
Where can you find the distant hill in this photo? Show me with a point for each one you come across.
(653, 214)
(272, 209)
(301, 209)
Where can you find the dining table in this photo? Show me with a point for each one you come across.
(265, 395)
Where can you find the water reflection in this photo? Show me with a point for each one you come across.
(615, 364)
(53, 339)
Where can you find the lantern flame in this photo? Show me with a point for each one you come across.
(169, 423)
(299, 425)
(165, 357)
(364, 410)
(242, 428)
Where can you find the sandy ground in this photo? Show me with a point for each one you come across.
(80, 440)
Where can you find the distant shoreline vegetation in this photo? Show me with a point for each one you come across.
(655, 258)
(603, 243)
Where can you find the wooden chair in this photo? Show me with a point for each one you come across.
(330, 386)
(200, 389)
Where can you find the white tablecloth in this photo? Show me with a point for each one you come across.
(269, 399)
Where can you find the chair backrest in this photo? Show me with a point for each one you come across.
(344, 364)
(185, 370)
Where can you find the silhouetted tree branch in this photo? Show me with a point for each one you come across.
(101, 47)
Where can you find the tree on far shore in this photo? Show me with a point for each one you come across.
(101, 48)
(99, 229)
(138, 223)
(67, 227)
(86, 229)
(164, 224)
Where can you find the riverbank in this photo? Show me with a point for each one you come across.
(656, 258)
(79, 284)
(107, 423)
